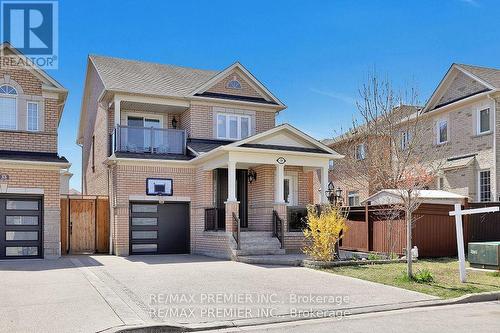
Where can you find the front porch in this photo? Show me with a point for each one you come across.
(255, 194)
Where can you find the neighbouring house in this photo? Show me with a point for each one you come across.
(192, 160)
(31, 105)
(459, 121)
(437, 197)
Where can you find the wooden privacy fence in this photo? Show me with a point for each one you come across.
(84, 224)
(371, 229)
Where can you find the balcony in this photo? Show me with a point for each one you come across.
(149, 140)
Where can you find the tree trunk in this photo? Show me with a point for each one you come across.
(409, 268)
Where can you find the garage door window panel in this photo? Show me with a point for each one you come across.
(22, 205)
(21, 220)
(21, 251)
(21, 235)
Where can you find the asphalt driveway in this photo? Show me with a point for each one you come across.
(92, 293)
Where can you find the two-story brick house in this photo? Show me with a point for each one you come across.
(192, 160)
(459, 124)
(31, 105)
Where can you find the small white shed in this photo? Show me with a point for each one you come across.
(393, 196)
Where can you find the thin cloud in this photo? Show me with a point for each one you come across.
(335, 95)
(471, 2)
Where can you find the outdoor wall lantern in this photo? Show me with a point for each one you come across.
(252, 175)
(333, 194)
(174, 123)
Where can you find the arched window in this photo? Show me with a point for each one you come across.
(7, 90)
(234, 84)
(8, 107)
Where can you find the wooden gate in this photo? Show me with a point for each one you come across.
(84, 224)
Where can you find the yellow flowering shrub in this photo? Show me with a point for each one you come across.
(323, 231)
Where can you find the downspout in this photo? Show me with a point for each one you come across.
(111, 209)
(495, 198)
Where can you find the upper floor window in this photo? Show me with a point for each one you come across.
(360, 153)
(32, 116)
(483, 121)
(442, 131)
(405, 140)
(440, 184)
(234, 84)
(8, 107)
(231, 126)
(7, 90)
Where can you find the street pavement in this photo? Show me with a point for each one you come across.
(462, 318)
(93, 293)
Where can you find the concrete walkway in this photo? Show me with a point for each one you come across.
(92, 293)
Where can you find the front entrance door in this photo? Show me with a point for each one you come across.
(82, 226)
(241, 195)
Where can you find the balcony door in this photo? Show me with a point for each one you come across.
(141, 131)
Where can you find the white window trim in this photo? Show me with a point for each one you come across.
(37, 117)
(352, 194)
(439, 187)
(14, 97)
(405, 140)
(238, 130)
(479, 185)
(438, 138)
(363, 157)
(293, 189)
(478, 120)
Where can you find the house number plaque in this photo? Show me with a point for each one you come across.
(4, 177)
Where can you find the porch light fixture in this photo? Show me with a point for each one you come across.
(333, 194)
(174, 123)
(252, 175)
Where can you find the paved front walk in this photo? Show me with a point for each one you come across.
(91, 293)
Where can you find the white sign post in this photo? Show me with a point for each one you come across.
(458, 212)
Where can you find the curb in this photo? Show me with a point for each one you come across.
(165, 328)
(308, 263)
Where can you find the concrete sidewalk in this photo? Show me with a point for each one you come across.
(92, 293)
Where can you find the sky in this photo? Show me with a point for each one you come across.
(313, 55)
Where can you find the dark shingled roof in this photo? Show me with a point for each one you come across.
(31, 156)
(206, 145)
(285, 148)
(148, 156)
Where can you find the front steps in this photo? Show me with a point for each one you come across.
(256, 243)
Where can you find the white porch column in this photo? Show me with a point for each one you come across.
(231, 181)
(324, 184)
(117, 110)
(279, 184)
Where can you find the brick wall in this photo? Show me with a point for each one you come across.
(199, 120)
(246, 89)
(95, 151)
(49, 181)
(195, 184)
(29, 88)
(461, 86)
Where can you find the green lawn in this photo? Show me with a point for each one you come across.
(446, 282)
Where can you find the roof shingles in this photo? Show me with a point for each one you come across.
(149, 78)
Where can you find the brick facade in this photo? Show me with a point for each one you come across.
(32, 177)
(246, 89)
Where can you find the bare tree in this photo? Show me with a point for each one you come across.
(384, 150)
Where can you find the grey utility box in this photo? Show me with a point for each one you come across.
(485, 255)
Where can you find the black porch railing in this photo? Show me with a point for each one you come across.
(236, 232)
(278, 228)
(214, 219)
